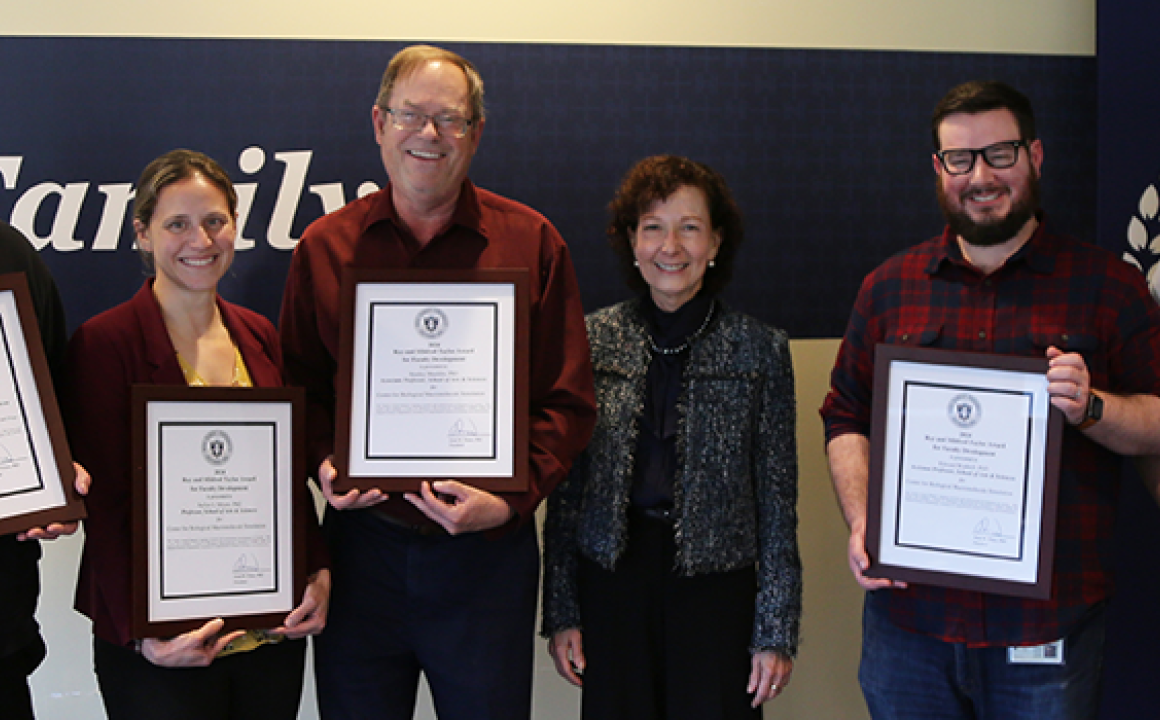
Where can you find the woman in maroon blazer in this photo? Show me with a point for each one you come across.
(175, 331)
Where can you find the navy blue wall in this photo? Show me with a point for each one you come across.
(1129, 162)
(828, 151)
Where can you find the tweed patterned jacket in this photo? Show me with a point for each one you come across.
(735, 493)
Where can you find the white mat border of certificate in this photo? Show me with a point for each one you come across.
(941, 552)
(272, 408)
(39, 489)
(436, 295)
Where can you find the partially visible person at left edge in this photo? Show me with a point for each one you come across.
(21, 647)
(1000, 280)
(442, 582)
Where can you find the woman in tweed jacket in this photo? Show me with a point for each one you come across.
(672, 585)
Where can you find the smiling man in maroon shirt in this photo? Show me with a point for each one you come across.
(442, 582)
(999, 281)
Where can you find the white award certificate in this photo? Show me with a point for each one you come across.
(218, 498)
(434, 385)
(36, 473)
(965, 487)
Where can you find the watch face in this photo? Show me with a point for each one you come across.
(1095, 409)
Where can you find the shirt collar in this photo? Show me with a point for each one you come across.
(468, 211)
(1038, 253)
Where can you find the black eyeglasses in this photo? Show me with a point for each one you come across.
(446, 123)
(960, 161)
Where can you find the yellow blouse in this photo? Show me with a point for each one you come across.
(241, 374)
(252, 638)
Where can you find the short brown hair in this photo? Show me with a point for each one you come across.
(410, 59)
(655, 179)
(980, 96)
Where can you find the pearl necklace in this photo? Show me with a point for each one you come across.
(688, 341)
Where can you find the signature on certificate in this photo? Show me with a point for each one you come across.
(6, 458)
(990, 531)
(246, 562)
(462, 428)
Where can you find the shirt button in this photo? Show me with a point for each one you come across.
(982, 334)
(1063, 337)
(905, 337)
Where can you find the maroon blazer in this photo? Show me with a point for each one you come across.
(106, 356)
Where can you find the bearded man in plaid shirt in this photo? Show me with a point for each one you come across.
(999, 281)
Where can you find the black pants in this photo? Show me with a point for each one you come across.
(15, 698)
(461, 611)
(263, 683)
(664, 647)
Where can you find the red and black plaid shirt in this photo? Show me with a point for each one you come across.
(1054, 291)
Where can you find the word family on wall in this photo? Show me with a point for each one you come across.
(48, 212)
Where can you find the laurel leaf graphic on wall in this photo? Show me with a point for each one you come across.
(1144, 239)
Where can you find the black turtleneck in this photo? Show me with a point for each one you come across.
(656, 449)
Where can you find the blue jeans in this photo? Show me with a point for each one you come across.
(908, 676)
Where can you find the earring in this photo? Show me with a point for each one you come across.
(636, 263)
(712, 263)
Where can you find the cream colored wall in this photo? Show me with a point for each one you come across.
(1028, 26)
(825, 679)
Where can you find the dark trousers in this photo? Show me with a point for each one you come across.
(263, 683)
(15, 698)
(460, 610)
(660, 646)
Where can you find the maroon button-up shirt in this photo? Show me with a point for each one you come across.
(486, 231)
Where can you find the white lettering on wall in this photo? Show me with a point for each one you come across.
(289, 193)
(116, 198)
(331, 196)
(250, 161)
(68, 212)
(10, 170)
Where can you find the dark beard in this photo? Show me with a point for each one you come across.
(995, 232)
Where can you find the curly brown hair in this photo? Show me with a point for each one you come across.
(655, 179)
